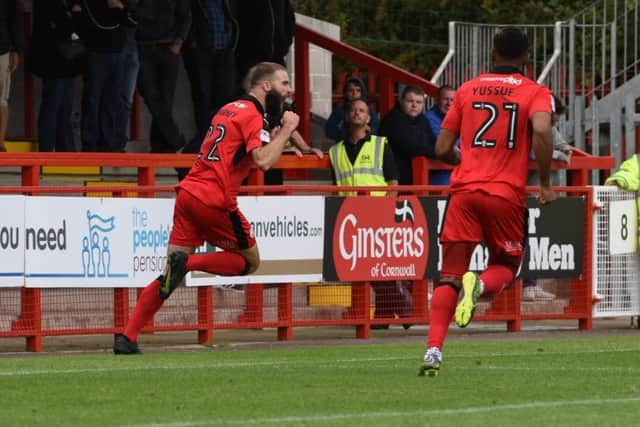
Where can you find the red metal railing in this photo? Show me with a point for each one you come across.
(388, 74)
(31, 308)
(33, 311)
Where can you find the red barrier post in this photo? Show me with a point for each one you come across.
(360, 306)
(419, 292)
(205, 314)
(120, 308)
(285, 312)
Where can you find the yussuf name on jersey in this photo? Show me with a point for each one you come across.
(493, 90)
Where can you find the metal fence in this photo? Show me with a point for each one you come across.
(615, 275)
(592, 56)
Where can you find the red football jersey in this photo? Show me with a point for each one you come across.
(491, 114)
(224, 160)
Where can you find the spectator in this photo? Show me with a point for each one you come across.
(627, 178)
(364, 159)
(104, 33)
(206, 208)
(131, 67)
(531, 290)
(269, 40)
(162, 28)
(266, 33)
(209, 58)
(434, 116)
(11, 34)
(497, 129)
(354, 88)
(345, 155)
(408, 133)
(53, 28)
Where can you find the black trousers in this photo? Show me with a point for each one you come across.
(157, 85)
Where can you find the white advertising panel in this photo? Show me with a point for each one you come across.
(623, 234)
(12, 241)
(95, 242)
(289, 232)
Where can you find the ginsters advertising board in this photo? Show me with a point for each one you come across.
(377, 238)
(386, 238)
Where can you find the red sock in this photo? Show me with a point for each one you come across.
(443, 306)
(148, 304)
(496, 278)
(221, 263)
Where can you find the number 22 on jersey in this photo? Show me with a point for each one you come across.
(212, 156)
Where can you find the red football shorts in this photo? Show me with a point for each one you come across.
(473, 217)
(195, 223)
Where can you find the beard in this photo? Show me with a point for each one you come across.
(273, 108)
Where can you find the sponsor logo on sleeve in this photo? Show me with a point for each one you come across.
(265, 136)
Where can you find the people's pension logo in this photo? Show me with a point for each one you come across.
(380, 238)
(96, 248)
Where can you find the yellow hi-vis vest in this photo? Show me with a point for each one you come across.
(365, 171)
(627, 177)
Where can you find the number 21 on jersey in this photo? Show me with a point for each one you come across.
(493, 112)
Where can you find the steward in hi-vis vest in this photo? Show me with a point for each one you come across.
(362, 159)
(627, 177)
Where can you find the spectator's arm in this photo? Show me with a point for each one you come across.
(16, 25)
(131, 13)
(389, 167)
(303, 146)
(626, 177)
(183, 21)
(374, 124)
(434, 122)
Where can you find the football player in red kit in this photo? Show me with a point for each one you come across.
(206, 207)
(498, 116)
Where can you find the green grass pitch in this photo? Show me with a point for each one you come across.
(582, 382)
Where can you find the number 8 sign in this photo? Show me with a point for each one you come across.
(623, 227)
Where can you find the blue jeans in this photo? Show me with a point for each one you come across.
(54, 119)
(101, 105)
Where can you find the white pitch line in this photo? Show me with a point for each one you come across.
(392, 414)
(292, 364)
(338, 363)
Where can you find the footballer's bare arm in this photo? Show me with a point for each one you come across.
(446, 150)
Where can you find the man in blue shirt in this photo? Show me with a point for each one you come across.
(434, 116)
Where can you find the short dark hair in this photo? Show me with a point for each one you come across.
(412, 89)
(444, 88)
(262, 71)
(558, 105)
(353, 101)
(511, 43)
